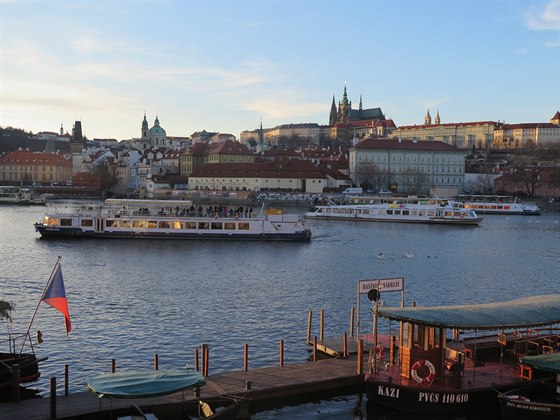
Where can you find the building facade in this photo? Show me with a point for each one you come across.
(155, 136)
(26, 167)
(228, 151)
(408, 166)
(508, 136)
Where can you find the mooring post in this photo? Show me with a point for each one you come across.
(156, 361)
(309, 318)
(352, 326)
(322, 324)
(16, 396)
(281, 353)
(206, 358)
(113, 365)
(246, 358)
(196, 365)
(315, 348)
(345, 345)
(360, 356)
(66, 380)
(53, 397)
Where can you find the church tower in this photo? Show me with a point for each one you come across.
(437, 120)
(428, 118)
(77, 142)
(344, 108)
(144, 128)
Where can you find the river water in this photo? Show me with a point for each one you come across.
(129, 299)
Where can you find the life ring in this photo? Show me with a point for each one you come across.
(426, 380)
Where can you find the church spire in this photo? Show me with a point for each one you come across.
(360, 102)
(437, 120)
(332, 116)
(428, 118)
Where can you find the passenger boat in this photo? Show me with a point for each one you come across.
(431, 368)
(403, 210)
(19, 195)
(495, 204)
(171, 219)
(538, 399)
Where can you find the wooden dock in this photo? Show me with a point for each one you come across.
(258, 389)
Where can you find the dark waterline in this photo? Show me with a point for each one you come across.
(130, 299)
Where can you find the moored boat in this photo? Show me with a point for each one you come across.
(402, 210)
(495, 204)
(537, 399)
(437, 371)
(171, 219)
(20, 196)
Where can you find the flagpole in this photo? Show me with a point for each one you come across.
(39, 303)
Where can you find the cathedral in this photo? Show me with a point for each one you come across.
(155, 136)
(360, 123)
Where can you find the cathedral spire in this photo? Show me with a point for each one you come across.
(437, 120)
(332, 116)
(360, 102)
(428, 118)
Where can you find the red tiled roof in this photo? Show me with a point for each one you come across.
(290, 169)
(405, 145)
(229, 147)
(23, 157)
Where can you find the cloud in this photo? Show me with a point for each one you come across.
(285, 107)
(545, 20)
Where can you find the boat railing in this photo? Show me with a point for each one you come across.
(15, 341)
(178, 212)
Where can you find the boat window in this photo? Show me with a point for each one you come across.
(203, 225)
(418, 336)
(108, 222)
(176, 225)
(243, 226)
(216, 225)
(65, 222)
(389, 211)
(405, 212)
(163, 225)
(138, 223)
(229, 226)
(87, 222)
(124, 223)
(405, 342)
(190, 225)
(151, 224)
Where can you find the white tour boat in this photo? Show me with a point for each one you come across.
(171, 219)
(495, 204)
(407, 210)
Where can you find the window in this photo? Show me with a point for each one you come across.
(216, 226)
(87, 222)
(65, 222)
(243, 226)
(203, 225)
(229, 226)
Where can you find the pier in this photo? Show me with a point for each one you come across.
(256, 389)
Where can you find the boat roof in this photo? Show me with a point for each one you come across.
(520, 313)
(144, 384)
(548, 362)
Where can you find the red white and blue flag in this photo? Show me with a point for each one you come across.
(55, 295)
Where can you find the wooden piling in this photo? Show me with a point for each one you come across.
(205, 361)
(321, 324)
(309, 319)
(156, 361)
(360, 367)
(352, 326)
(196, 364)
(345, 346)
(66, 380)
(113, 365)
(315, 348)
(281, 353)
(53, 397)
(246, 358)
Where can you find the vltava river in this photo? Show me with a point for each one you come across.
(129, 299)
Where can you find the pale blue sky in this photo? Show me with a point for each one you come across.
(225, 65)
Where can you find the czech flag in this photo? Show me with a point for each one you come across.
(55, 295)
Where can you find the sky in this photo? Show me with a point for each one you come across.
(225, 66)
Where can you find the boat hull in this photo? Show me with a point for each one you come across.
(76, 232)
(29, 368)
(430, 399)
(537, 400)
(456, 222)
